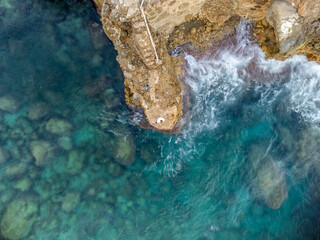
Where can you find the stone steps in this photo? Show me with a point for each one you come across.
(143, 42)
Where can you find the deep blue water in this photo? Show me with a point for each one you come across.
(251, 142)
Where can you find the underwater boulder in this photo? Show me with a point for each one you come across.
(270, 185)
(15, 170)
(54, 98)
(114, 169)
(75, 161)
(110, 98)
(6, 196)
(96, 188)
(307, 155)
(70, 201)
(124, 150)
(58, 126)
(18, 219)
(95, 88)
(42, 151)
(24, 124)
(22, 185)
(149, 152)
(65, 143)
(97, 36)
(38, 111)
(9, 104)
(4, 155)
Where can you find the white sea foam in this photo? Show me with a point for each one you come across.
(219, 80)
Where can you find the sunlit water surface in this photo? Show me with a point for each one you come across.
(252, 140)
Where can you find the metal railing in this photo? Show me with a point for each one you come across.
(148, 30)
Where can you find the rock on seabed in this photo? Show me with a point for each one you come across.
(271, 184)
(38, 111)
(42, 151)
(65, 143)
(58, 126)
(15, 170)
(268, 182)
(75, 162)
(18, 219)
(9, 104)
(70, 201)
(124, 151)
(4, 155)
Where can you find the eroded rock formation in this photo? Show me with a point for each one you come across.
(145, 32)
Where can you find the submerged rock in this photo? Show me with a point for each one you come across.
(267, 181)
(15, 170)
(5, 196)
(75, 162)
(114, 169)
(23, 185)
(38, 111)
(149, 152)
(18, 219)
(4, 155)
(70, 201)
(65, 143)
(96, 189)
(306, 152)
(58, 126)
(54, 98)
(271, 184)
(9, 104)
(124, 151)
(97, 36)
(25, 126)
(42, 151)
(110, 98)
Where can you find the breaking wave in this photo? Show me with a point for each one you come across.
(219, 79)
(237, 75)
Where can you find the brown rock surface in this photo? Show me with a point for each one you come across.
(144, 32)
(287, 24)
(253, 10)
(151, 83)
(267, 40)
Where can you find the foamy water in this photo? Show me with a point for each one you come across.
(250, 117)
(219, 79)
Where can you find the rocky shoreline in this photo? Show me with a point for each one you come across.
(73, 166)
(145, 33)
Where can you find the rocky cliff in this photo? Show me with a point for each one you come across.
(145, 32)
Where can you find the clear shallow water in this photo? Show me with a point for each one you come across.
(252, 138)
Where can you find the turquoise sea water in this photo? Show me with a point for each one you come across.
(251, 142)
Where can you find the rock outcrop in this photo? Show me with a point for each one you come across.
(145, 32)
(291, 27)
(287, 25)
